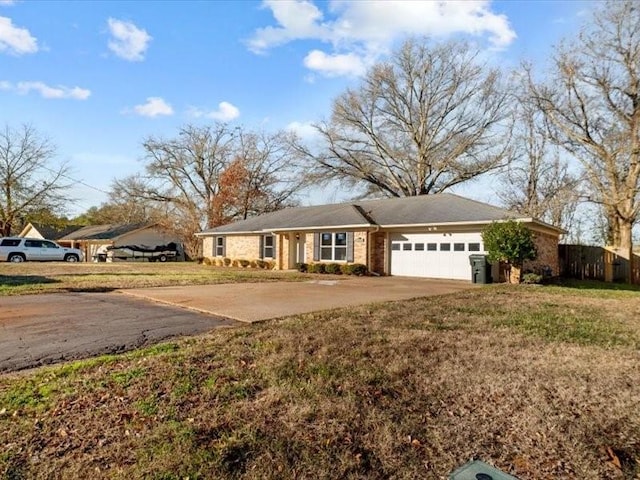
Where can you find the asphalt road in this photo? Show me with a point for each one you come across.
(41, 329)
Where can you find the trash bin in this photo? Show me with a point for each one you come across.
(101, 257)
(480, 269)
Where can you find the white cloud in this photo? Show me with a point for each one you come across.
(335, 65)
(361, 32)
(7, 3)
(16, 40)
(128, 41)
(225, 112)
(155, 107)
(47, 91)
(305, 130)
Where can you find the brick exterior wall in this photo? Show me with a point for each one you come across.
(547, 246)
(243, 247)
(207, 247)
(360, 251)
(379, 248)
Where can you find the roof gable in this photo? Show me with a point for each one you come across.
(50, 232)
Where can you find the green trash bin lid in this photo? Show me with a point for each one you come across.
(477, 470)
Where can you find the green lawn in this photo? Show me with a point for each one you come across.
(30, 278)
(543, 382)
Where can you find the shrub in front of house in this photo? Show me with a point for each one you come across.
(244, 263)
(531, 278)
(226, 261)
(316, 268)
(302, 267)
(261, 264)
(205, 261)
(333, 269)
(357, 269)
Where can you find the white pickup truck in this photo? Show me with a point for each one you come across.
(18, 249)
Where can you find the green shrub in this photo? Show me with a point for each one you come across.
(244, 263)
(206, 261)
(510, 242)
(316, 268)
(333, 268)
(358, 269)
(234, 263)
(345, 268)
(261, 264)
(253, 264)
(302, 267)
(226, 261)
(531, 278)
(270, 264)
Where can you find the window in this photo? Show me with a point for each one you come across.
(333, 246)
(445, 247)
(10, 242)
(268, 243)
(219, 247)
(419, 247)
(406, 247)
(33, 243)
(46, 244)
(458, 247)
(474, 247)
(395, 246)
(432, 247)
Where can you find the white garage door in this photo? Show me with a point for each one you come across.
(434, 255)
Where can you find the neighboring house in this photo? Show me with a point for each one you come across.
(50, 232)
(93, 240)
(424, 236)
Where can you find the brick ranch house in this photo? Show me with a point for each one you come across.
(425, 236)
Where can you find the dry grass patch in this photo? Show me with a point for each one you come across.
(543, 383)
(28, 278)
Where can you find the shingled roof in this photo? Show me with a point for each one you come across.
(438, 209)
(52, 232)
(102, 232)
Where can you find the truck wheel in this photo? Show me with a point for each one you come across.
(71, 258)
(162, 258)
(16, 258)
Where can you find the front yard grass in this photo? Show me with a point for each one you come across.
(28, 278)
(542, 382)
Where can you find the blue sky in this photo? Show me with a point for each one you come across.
(98, 77)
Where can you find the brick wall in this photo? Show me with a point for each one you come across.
(360, 247)
(547, 246)
(379, 241)
(243, 246)
(207, 247)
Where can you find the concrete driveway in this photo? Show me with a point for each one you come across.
(250, 302)
(42, 329)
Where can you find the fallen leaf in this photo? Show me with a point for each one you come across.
(615, 461)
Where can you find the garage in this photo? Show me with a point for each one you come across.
(434, 255)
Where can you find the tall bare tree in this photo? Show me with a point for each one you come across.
(539, 182)
(211, 175)
(29, 180)
(592, 103)
(432, 117)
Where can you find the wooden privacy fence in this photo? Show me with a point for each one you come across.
(597, 263)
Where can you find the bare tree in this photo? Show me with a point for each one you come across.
(538, 182)
(429, 119)
(592, 104)
(208, 176)
(29, 181)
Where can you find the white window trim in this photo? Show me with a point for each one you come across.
(272, 247)
(333, 247)
(217, 246)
